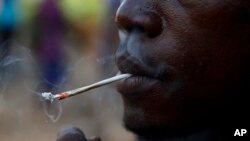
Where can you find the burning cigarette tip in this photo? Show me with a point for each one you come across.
(62, 96)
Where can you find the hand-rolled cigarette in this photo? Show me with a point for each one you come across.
(63, 95)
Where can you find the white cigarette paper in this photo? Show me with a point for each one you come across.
(63, 95)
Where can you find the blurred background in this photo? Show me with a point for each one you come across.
(53, 46)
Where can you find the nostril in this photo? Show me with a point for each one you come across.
(149, 23)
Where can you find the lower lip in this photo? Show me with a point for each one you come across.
(135, 84)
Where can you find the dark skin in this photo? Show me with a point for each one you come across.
(190, 61)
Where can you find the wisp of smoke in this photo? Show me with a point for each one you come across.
(19, 66)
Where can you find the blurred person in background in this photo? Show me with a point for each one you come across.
(8, 23)
(190, 66)
(48, 44)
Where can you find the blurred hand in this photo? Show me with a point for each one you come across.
(73, 134)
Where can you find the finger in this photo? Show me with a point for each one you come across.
(71, 134)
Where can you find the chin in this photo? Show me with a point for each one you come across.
(147, 128)
(154, 132)
(163, 123)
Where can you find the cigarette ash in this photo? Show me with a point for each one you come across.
(48, 96)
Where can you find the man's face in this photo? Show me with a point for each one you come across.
(187, 57)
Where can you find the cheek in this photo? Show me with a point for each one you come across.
(203, 61)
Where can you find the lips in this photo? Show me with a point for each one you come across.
(136, 84)
(143, 76)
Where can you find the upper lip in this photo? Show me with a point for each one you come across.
(132, 65)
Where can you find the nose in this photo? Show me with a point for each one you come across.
(136, 14)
